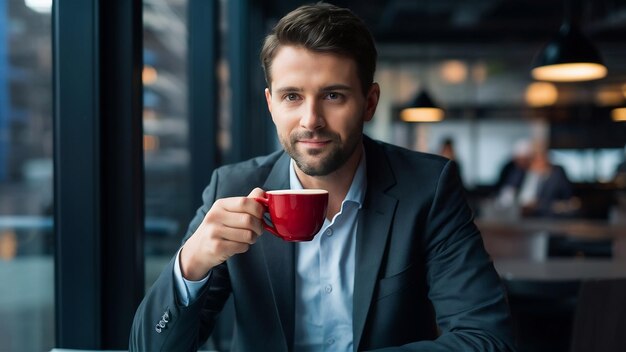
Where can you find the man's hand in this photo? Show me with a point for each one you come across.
(229, 228)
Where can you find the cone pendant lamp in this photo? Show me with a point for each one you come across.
(422, 109)
(570, 56)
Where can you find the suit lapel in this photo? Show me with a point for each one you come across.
(373, 230)
(280, 258)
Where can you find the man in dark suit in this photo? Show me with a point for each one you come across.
(398, 262)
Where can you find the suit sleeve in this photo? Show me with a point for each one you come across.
(464, 288)
(162, 322)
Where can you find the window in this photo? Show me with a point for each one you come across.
(165, 118)
(26, 196)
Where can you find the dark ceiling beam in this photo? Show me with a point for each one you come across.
(488, 21)
(485, 34)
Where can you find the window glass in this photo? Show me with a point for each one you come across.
(26, 196)
(165, 120)
(588, 165)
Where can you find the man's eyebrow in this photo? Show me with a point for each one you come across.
(335, 87)
(288, 89)
(330, 88)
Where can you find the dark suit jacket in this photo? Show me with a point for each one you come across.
(422, 280)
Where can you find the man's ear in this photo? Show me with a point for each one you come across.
(268, 99)
(371, 101)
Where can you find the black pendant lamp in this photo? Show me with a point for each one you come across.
(570, 56)
(422, 109)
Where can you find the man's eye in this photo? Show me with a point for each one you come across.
(291, 97)
(333, 96)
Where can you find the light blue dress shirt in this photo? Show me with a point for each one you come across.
(187, 290)
(324, 275)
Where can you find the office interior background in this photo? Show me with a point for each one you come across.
(114, 113)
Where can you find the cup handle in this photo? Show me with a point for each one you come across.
(270, 228)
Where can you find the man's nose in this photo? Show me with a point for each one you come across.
(312, 116)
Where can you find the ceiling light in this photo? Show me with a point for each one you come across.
(479, 72)
(570, 57)
(608, 96)
(619, 115)
(422, 109)
(454, 71)
(540, 94)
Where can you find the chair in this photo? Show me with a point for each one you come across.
(600, 318)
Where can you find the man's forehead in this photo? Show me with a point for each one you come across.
(300, 67)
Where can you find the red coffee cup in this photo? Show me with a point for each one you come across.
(296, 214)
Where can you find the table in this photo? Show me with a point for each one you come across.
(529, 238)
(578, 228)
(560, 269)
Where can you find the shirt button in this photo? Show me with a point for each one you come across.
(330, 341)
(329, 232)
(328, 288)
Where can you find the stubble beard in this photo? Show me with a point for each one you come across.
(337, 156)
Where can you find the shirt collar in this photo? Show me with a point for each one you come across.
(356, 193)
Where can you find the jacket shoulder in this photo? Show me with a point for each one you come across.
(245, 175)
(413, 172)
(409, 159)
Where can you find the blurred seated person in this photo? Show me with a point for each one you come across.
(620, 173)
(512, 173)
(618, 213)
(447, 149)
(542, 189)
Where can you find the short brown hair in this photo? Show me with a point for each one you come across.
(323, 27)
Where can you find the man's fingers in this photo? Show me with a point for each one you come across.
(245, 204)
(228, 228)
(226, 249)
(240, 220)
(258, 208)
(238, 235)
(257, 192)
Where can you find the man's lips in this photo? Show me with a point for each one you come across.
(313, 142)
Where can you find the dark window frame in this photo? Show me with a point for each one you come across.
(98, 171)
